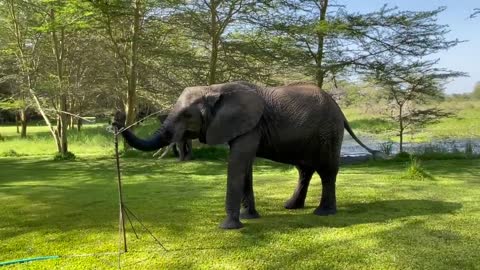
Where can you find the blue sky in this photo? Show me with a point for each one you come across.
(464, 57)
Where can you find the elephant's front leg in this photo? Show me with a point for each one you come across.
(248, 201)
(242, 153)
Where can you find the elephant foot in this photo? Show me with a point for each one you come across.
(230, 223)
(294, 204)
(323, 211)
(249, 214)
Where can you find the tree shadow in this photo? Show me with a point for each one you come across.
(353, 214)
(51, 196)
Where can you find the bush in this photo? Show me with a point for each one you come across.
(67, 156)
(469, 149)
(415, 171)
(11, 153)
(386, 148)
(402, 156)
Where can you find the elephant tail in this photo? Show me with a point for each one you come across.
(376, 154)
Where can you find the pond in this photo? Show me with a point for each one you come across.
(351, 148)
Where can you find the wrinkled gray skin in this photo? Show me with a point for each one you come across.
(296, 124)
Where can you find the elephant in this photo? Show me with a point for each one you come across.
(297, 124)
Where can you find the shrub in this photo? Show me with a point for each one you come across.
(402, 156)
(386, 148)
(67, 156)
(414, 170)
(11, 153)
(469, 149)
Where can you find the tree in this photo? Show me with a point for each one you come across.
(410, 87)
(475, 13)
(40, 34)
(476, 91)
(329, 41)
(123, 24)
(212, 25)
(64, 20)
(19, 19)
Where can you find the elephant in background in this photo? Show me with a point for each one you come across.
(182, 150)
(296, 124)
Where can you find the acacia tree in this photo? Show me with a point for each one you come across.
(64, 21)
(41, 33)
(123, 24)
(332, 41)
(24, 18)
(475, 13)
(20, 19)
(476, 91)
(212, 24)
(410, 87)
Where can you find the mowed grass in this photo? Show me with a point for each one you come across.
(385, 221)
(92, 140)
(465, 124)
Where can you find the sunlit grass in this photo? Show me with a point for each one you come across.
(464, 125)
(91, 140)
(385, 221)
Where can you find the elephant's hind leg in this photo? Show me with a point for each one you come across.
(248, 210)
(328, 201)
(298, 198)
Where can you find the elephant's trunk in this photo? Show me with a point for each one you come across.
(160, 139)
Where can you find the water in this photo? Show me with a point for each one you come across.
(351, 148)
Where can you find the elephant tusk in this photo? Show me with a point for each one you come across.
(165, 151)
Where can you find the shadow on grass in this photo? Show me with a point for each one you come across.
(168, 196)
(356, 213)
(397, 247)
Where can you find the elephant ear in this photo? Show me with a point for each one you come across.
(234, 113)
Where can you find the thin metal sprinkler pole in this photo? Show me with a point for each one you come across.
(124, 211)
(121, 225)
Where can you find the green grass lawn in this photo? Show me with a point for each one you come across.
(385, 221)
(464, 125)
(92, 140)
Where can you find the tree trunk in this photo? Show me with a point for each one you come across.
(71, 118)
(63, 125)
(27, 67)
(79, 124)
(320, 72)
(400, 121)
(215, 39)
(23, 123)
(58, 48)
(71, 122)
(132, 65)
(17, 122)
